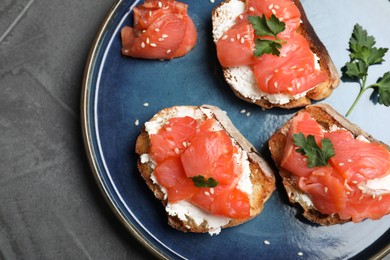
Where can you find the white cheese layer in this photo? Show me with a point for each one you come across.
(242, 78)
(376, 187)
(184, 208)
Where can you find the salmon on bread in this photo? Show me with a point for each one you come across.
(303, 70)
(206, 174)
(354, 183)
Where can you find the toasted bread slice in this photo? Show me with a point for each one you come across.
(241, 79)
(328, 118)
(261, 175)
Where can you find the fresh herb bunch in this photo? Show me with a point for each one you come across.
(267, 27)
(362, 55)
(202, 182)
(317, 156)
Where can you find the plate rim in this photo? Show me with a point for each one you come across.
(87, 136)
(89, 147)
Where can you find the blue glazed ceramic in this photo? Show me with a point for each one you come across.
(120, 91)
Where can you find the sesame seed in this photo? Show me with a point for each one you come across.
(349, 160)
(146, 104)
(380, 198)
(300, 253)
(355, 182)
(224, 37)
(301, 69)
(293, 67)
(142, 45)
(177, 151)
(211, 1)
(276, 71)
(326, 189)
(273, 11)
(361, 197)
(242, 111)
(276, 7)
(246, 36)
(126, 51)
(188, 226)
(281, 19)
(248, 113)
(150, 13)
(164, 35)
(348, 192)
(212, 190)
(242, 40)
(147, 40)
(160, 4)
(276, 84)
(168, 129)
(241, 16)
(136, 122)
(341, 164)
(232, 39)
(153, 45)
(185, 144)
(238, 36)
(207, 193)
(168, 51)
(290, 89)
(160, 39)
(251, 9)
(271, 6)
(157, 29)
(266, 242)
(283, 55)
(298, 85)
(374, 195)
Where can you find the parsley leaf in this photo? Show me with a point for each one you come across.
(316, 156)
(362, 55)
(360, 37)
(266, 46)
(383, 85)
(264, 27)
(356, 69)
(200, 181)
(267, 27)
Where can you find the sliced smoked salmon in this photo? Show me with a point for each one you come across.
(239, 42)
(295, 70)
(341, 187)
(285, 10)
(293, 161)
(161, 30)
(290, 73)
(185, 148)
(358, 160)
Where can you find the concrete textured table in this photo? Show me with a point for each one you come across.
(50, 205)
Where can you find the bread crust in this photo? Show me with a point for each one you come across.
(321, 91)
(262, 176)
(327, 117)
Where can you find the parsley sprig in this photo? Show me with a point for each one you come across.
(362, 55)
(267, 27)
(317, 156)
(202, 182)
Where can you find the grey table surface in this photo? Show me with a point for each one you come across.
(50, 205)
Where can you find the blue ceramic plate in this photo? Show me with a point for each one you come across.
(118, 91)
